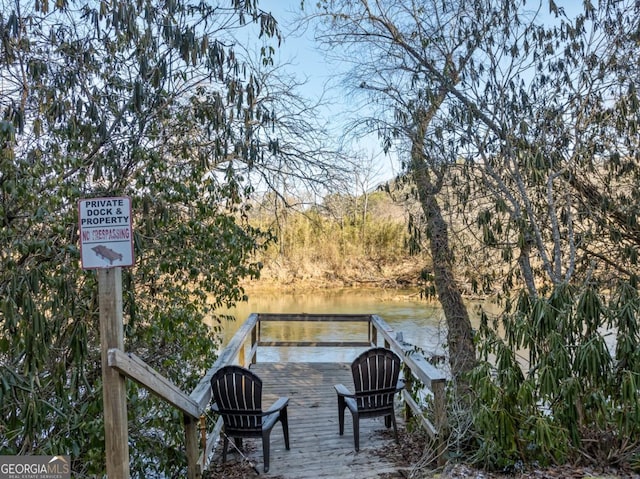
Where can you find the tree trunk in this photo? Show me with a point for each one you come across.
(462, 354)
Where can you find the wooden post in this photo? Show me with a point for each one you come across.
(408, 387)
(242, 354)
(114, 391)
(440, 418)
(254, 345)
(374, 334)
(191, 445)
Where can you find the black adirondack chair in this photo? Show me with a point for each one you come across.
(375, 378)
(237, 396)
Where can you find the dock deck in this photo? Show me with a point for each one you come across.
(316, 449)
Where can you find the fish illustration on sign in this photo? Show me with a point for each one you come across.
(107, 253)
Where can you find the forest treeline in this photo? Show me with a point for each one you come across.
(347, 240)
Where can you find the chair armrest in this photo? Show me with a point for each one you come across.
(400, 385)
(215, 408)
(343, 391)
(280, 404)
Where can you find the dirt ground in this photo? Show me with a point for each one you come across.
(412, 463)
(410, 453)
(463, 471)
(460, 471)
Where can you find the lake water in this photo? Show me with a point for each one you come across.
(420, 322)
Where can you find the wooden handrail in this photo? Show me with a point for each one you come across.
(315, 317)
(202, 392)
(432, 378)
(135, 368)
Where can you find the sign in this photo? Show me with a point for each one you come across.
(106, 236)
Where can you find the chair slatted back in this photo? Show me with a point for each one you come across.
(238, 394)
(375, 377)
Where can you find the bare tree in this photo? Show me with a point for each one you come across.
(402, 52)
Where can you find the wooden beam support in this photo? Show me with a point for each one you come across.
(114, 392)
(191, 442)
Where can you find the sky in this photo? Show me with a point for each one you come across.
(303, 58)
(298, 47)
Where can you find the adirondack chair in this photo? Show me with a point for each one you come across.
(375, 377)
(237, 396)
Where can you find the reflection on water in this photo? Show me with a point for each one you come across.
(420, 322)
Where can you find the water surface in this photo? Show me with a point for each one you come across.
(420, 322)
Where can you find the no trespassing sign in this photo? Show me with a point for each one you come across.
(106, 235)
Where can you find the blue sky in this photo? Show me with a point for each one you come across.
(298, 47)
(307, 63)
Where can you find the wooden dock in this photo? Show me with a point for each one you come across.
(317, 450)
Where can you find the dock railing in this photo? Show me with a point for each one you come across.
(243, 349)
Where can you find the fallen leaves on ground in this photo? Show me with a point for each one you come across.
(416, 458)
(461, 471)
(237, 466)
(414, 454)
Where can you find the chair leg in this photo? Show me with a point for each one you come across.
(387, 421)
(395, 427)
(266, 449)
(224, 448)
(285, 427)
(356, 431)
(341, 407)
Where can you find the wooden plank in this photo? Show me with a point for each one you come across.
(308, 317)
(417, 413)
(385, 330)
(191, 447)
(135, 368)
(440, 418)
(315, 344)
(423, 369)
(212, 440)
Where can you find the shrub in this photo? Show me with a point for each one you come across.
(558, 380)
